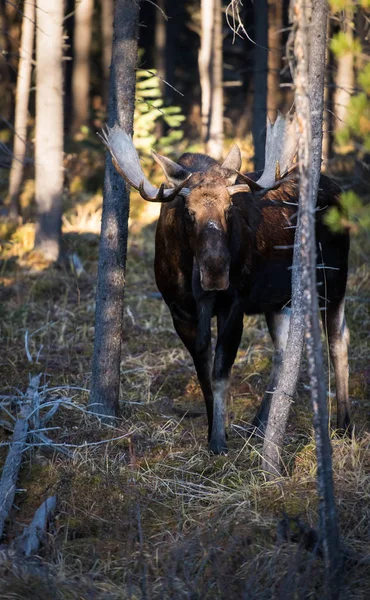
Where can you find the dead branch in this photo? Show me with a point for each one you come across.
(13, 461)
(29, 542)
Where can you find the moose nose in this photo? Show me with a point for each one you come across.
(211, 281)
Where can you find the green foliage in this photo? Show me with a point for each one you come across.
(353, 214)
(339, 5)
(364, 79)
(342, 44)
(150, 110)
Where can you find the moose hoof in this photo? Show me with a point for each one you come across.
(217, 447)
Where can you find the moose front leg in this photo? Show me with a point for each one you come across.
(201, 354)
(230, 329)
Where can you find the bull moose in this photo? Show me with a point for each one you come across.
(223, 248)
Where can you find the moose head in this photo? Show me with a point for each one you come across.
(206, 194)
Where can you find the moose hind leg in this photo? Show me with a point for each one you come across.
(338, 339)
(202, 358)
(230, 329)
(278, 325)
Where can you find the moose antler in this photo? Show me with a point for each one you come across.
(280, 150)
(127, 163)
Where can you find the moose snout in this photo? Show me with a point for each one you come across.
(214, 260)
(214, 279)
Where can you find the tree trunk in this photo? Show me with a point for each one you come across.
(309, 102)
(107, 33)
(313, 88)
(49, 127)
(160, 55)
(275, 26)
(8, 52)
(21, 106)
(81, 66)
(260, 82)
(210, 71)
(287, 384)
(105, 383)
(344, 79)
(160, 44)
(327, 142)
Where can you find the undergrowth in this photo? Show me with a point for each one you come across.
(143, 510)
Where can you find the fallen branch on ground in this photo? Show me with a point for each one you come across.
(13, 461)
(29, 542)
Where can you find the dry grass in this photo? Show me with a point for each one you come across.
(143, 510)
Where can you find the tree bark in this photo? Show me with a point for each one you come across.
(160, 55)
(287, 384)
(275, 26)
(81, 66)
(260, 82)
(211, 72)
(160, 44)
(7, 52)
(107, 34)
(327, 141)
(105, 384)
(309, 102)
(49, 127)
(313, 88)
(21, 106)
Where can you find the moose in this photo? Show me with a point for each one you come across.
(223, 248)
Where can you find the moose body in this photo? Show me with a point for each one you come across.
(223, 251)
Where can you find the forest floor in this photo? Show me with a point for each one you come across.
(143, 510)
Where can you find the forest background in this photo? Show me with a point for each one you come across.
(142, 510)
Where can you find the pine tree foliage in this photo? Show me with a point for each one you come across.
(149, 109)
(356, 130)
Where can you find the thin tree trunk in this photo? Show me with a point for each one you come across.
(260, 82)
(210, 71)
(313, 88)
(327, 141)
(160, 44)
(216, 136)
(287, 384)
(160, 55)
(7, 53)
(49, 127)
(21, 106)
(105, 383)
(309, 101)
(107, 33)
(344, 79)
(81, 66)
(275, 26)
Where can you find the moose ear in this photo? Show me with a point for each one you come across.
(233, 160)
(174, 173)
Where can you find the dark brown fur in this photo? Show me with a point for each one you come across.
(221, 256)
